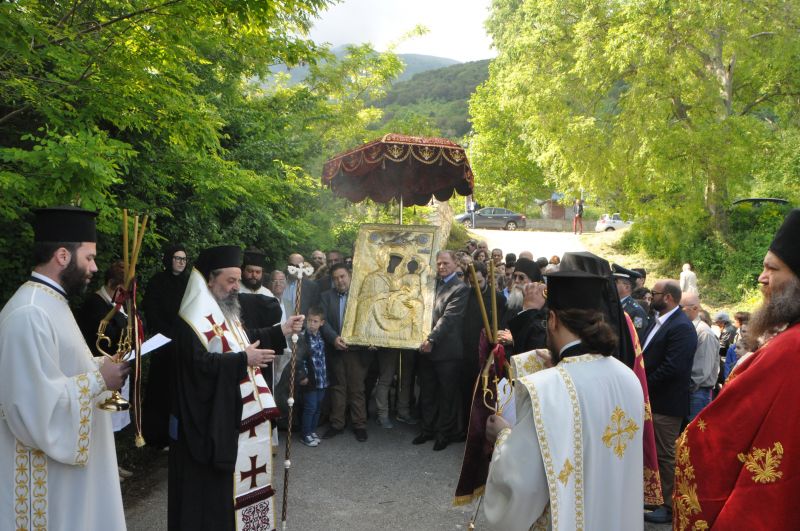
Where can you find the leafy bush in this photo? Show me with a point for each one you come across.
(727, 269)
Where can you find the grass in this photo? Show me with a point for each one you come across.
(606, 244)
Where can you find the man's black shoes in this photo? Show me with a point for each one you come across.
(331, 432)
(361, 434)
(440, 444)
(662, 515)
(422, 438)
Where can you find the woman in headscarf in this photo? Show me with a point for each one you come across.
(162, 300)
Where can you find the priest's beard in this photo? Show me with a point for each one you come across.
(515, 297)
(75, 279)
(779, 308)
(230, 306)
(251, 284)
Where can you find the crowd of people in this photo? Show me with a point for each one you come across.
(217, 391)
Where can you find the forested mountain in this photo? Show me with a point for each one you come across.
(415, 63)
(441, 95)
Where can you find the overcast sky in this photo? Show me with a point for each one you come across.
(455, 26)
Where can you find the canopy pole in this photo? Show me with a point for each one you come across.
(401, 209)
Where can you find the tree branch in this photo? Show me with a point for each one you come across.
(15, 112)
(95, 27)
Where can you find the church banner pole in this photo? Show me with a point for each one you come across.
(299, 271)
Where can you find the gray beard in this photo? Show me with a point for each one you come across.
(230, 307)
(778, 310)
(515, 297)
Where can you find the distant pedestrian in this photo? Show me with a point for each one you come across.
(577, 220)
(688, 279)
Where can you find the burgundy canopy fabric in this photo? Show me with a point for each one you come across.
(413, 167)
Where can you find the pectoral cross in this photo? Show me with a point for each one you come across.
(217, 330)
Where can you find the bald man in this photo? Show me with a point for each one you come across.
(705, 367)
(668, 351)
(310, 295)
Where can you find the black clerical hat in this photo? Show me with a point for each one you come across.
(621, 272)
(585, 261)
(64, 224)
(530, 268)
(786, 243)
(591, 263)
(254, 257)
(576, 290)
(218, 258)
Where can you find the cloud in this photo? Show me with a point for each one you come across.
(455, 26)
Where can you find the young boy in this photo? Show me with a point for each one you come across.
(312, 375)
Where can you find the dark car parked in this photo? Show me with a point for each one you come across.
(492, 218)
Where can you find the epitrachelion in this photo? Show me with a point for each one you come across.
(391, 295)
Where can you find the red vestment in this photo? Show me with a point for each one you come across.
(653, 494)
(738, 461)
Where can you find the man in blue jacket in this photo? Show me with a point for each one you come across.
(668, 350)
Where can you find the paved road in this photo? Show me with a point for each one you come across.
(385, 483)
(539, 243)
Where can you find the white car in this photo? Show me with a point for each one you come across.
(611, 222)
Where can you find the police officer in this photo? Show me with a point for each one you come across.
(626, 280)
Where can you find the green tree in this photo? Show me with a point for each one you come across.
(652, 104)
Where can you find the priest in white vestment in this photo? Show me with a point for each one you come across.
(573, 460)
(58, 463)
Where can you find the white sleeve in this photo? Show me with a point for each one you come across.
(516, 489)
(43, 407)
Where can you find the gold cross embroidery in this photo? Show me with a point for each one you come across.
(566, 471)
(621, 430)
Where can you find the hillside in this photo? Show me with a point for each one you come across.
(442, 95)
(415, 64)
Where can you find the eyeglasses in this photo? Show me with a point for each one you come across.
(654, 293)
(520, 276)
(179, 258)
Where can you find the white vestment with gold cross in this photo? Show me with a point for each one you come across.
(58, 463)
(253, 493)
(574, 459)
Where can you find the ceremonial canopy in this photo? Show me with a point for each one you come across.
(409, 169)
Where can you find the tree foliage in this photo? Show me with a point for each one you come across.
(156, 107)
(648, 104)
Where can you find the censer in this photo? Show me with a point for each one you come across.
(132, 334)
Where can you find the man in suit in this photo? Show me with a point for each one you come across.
(348, 365)
(440, 357)
(310, 289)
(668, 350)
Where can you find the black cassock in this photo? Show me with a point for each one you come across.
(529, 330)
(206, 412)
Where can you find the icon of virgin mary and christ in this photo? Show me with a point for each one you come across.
(390, 300)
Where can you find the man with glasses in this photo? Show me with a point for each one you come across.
(668, 351)
(524, 324)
